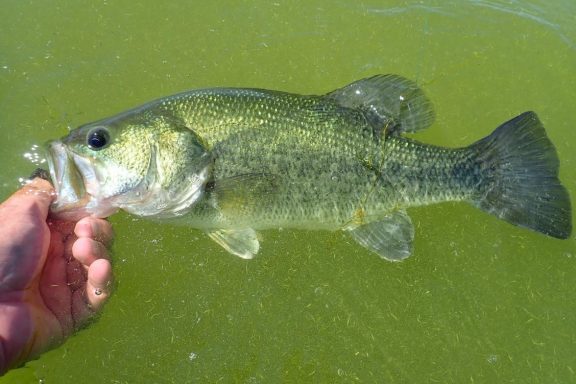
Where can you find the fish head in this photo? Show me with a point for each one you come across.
(152, 166)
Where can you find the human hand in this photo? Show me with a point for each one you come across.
(54, 275)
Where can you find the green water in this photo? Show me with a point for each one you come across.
(480, 301)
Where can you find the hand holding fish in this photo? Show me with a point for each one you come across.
(54, 274)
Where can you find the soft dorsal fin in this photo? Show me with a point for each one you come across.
(389, 102)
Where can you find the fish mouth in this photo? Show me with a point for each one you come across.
(72, 197)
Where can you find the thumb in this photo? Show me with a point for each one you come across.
(37, 191)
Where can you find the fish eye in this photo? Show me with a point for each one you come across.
(98, 138)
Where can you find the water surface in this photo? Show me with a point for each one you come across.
(479, 301)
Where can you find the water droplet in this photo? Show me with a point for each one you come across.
(33, 156)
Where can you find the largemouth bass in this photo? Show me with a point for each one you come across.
(233, 161)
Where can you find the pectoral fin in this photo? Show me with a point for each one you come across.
(240, 242)
(242, 194)
(391, 238)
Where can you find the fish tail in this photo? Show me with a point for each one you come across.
(520, 184)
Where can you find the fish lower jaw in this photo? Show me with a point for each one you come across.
(87, 206)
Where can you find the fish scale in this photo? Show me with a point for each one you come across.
(233, 161)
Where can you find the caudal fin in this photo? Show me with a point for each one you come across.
(521, 168)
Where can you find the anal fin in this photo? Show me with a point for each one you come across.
(240, 242)
(391, 238)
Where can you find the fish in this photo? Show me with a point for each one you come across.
(235, 161)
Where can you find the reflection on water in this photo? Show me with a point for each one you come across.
(557, 17)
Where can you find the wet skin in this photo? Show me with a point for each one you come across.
(54, 275)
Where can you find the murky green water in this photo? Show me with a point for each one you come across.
(481, 301)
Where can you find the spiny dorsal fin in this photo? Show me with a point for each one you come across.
(389, 102)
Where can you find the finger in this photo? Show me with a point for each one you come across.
(24, 238)
(39, 191)
(86, 302)
(97, 229)
(86, 251)
(99, 283)
(66, 230)
(81, 310)
(39, 187)
(28, 207)
(76, 274)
